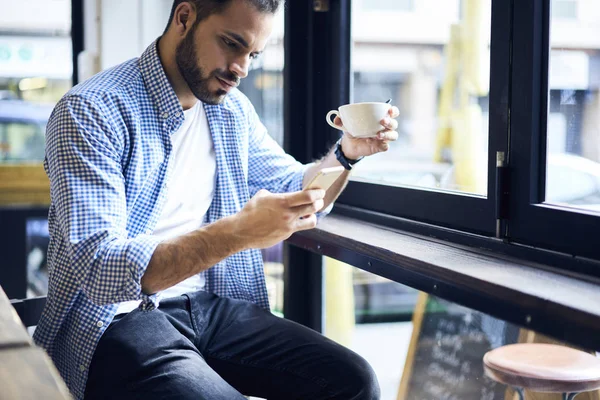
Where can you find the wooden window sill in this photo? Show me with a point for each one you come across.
(530, 295)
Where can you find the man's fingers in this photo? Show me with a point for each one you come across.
(394, 112)
(308, 222)
(338, 121)
(382, 146)
(311, 208)
(389, 123)
(303, 197)
(388, 136)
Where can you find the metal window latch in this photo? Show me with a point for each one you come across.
(502, 194)
(320, 5)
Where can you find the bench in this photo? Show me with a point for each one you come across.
(26, 372)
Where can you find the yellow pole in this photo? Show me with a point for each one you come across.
(339, 302)
(447, 95)
(460, 117)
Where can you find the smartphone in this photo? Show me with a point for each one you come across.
(325, 178)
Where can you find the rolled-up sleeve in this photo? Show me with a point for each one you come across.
(83, 162)
(270, 167)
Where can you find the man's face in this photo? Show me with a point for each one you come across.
(217, 52)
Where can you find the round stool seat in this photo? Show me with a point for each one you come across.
(543, 368)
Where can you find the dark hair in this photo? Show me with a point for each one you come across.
(206, 8)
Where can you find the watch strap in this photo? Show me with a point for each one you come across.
(346, 162)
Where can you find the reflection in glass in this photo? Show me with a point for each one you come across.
(22, 131)
(432, 59)
(450, 342)
(35, 71)
(264, 87)
(420, 346)
(37, 239)
(573, 125)
(264, 83)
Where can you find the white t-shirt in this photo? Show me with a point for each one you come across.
(190, 191)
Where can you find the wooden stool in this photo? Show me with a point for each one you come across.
(543, 368)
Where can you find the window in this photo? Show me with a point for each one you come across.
(443, 67)
(420, 346)
(264, 83)
(435, 67)
(22, 141)
(554, 131)
(264, 87)
(35, 71)
(388, 5)
(532, 111)
(566, 9)
(511, 150)
(573, 137)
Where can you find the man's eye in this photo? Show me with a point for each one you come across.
(230, 43)
(254, 56)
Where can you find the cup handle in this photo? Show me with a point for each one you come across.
(328, 118)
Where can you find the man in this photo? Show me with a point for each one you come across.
(158, 170)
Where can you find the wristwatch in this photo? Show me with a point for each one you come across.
(341, 157)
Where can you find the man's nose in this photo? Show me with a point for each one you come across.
(240, 67)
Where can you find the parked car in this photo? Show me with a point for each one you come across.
(573, 180)
(22, 130)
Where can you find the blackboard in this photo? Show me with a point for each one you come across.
(444, 361)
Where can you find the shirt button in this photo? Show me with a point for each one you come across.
(165, 115)
(82, 368)
(178, 114)
(99, 324)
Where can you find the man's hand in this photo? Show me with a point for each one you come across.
(355, 148)
(266, 220)
(269, 218)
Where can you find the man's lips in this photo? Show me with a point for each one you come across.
(227, 83)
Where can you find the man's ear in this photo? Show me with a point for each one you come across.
(184, 17)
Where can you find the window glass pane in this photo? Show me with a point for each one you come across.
(264, 83)
(38, 239)
(564, 8)
(420, 346)
(35, 71)
(22, 141)
(264, 88)
(573, 127)
(433, 61)
(385, 5)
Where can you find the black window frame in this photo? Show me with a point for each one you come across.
(557, 228)
(77, 36)
(511, 220)
(316, 79)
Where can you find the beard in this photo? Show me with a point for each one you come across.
(186, 58)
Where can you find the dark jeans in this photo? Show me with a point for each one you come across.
(201, 346)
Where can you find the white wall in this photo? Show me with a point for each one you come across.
(128, 27)
(429, 23)
(35, 15)
(583, 32)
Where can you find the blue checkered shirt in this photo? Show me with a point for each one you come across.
(108, 157)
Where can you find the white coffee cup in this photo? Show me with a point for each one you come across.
(360, 119)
